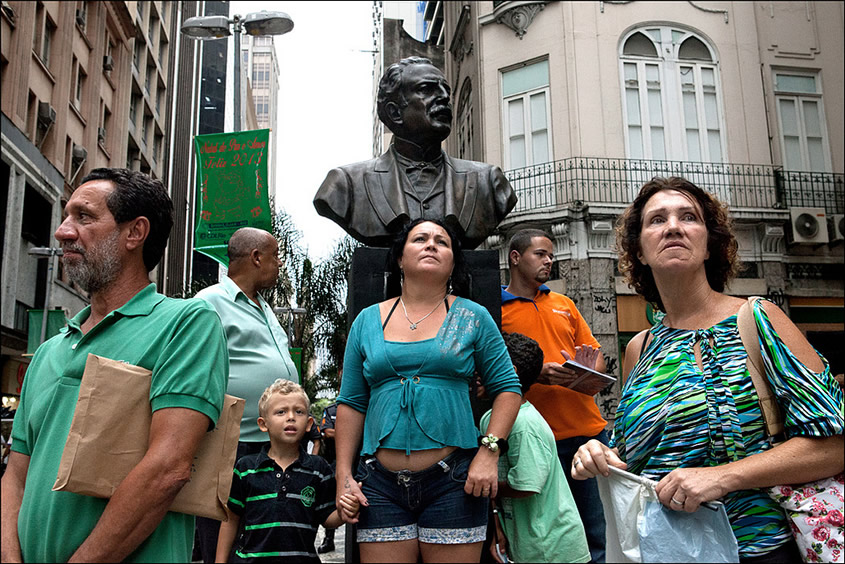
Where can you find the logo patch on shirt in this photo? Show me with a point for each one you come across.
(566, 313)
(308, 495)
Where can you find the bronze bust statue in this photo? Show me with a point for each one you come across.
(372, 200)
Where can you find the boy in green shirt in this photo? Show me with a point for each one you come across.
(537, 517)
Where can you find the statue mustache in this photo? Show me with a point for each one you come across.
(440, 109)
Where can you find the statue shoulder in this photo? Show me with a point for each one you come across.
(350, 173)
(492, 173)
(357, 168)
(463, 165)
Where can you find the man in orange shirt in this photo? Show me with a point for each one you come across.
(531, 308)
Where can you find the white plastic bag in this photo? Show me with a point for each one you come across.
(623, 500)
(676, 536)
(641, 529)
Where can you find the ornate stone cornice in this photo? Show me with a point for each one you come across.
(601, 237)
(562, 244)
(771, 241)
(517, 15)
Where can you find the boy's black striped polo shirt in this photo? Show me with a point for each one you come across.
(280, 509)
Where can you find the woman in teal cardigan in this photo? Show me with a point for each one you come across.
(424, 474)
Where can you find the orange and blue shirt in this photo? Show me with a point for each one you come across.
(555, 323)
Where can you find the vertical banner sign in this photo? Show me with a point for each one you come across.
(231, 188)
(296, 357)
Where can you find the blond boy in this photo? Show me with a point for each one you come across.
(280, 495)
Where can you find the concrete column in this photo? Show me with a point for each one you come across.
(590, 284)
(12, 247)
(775, 275)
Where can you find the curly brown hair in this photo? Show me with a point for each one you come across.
(721, 266)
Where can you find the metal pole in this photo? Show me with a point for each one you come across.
(50, 260)
(237, 63)
(290, 329)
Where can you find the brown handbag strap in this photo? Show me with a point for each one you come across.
(772, 414)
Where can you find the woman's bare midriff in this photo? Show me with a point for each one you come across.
(396, 460)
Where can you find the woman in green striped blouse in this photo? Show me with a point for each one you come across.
(688, 415)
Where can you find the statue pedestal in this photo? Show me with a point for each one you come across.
(368, 280)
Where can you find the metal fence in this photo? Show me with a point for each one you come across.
(605, 180)
(811, 189)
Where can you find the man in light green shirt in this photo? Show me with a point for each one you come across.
(258, 346)
(538, 520)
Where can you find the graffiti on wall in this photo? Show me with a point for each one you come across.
(603, 304)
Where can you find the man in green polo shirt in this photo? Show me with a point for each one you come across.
(116, 227)
(258, 346)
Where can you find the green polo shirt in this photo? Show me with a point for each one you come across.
(544, 527)
(258, 349)
(182, 343)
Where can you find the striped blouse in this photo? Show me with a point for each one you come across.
(673, 415)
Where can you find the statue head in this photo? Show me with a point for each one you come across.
(414, 101)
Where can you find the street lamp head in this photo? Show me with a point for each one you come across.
(294, 310)
(267, 23)
(206, 27)
(44, 251)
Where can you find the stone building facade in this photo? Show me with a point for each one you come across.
(582, 102)
(83, 85)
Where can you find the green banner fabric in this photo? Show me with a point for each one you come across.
(296, 357)
(55, 321)
(231, 188)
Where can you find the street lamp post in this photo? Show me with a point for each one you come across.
(291, 311)
(217, 27)
(236, 27)
(49, 253)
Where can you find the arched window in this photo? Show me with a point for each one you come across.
(671, 96)
(638, 45)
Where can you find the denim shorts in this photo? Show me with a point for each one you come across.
(430, 505)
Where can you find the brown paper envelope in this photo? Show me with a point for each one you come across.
(211, 472)
(109, 436)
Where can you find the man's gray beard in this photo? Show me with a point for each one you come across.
(99, 266)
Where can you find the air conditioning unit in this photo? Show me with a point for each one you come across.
(101, 134)
(46, 114)
(9, 12)
(809, 225)
(78, 156)
(108, 63)
(837, 230)
(80, 18)
(79, 153)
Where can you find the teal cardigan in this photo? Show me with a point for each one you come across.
(416, 395)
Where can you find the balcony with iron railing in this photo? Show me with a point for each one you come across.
(585, 180)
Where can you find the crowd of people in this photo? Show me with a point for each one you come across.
(418, 477)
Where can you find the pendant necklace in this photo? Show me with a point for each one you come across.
(413, 326)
